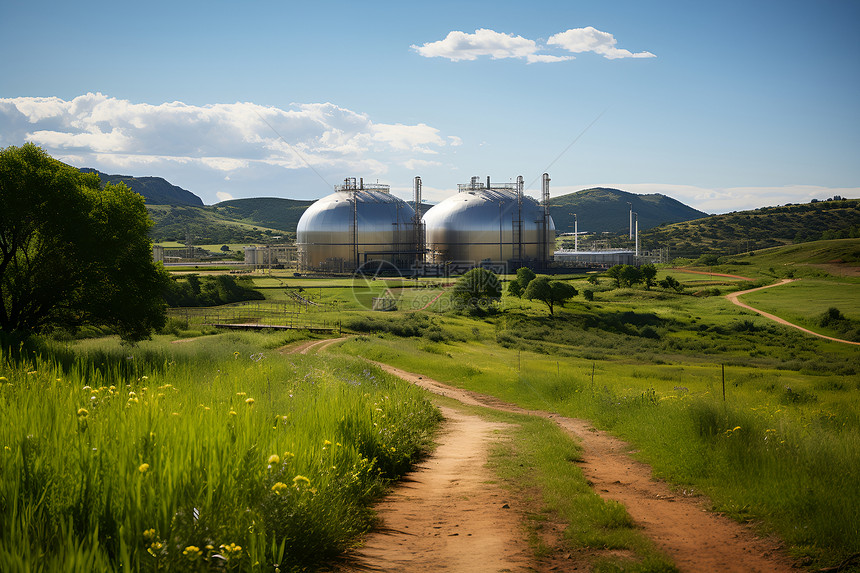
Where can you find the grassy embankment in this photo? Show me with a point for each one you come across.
(205, 454)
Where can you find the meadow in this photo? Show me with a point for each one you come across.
(221, 452)
(214, 453)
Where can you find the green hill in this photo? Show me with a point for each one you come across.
(602, 209)
(155, 190)
(205, 225)
(271, 212)
(744, 231)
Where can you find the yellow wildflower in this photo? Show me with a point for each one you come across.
(83, 413)
(143, 468)
(274, 459)
(149, 534)
(326, 444)
(301, 480)
(240, 394)
(85, 388)
(279, 488)
(249, 401)
(192, 552)
(231, 550)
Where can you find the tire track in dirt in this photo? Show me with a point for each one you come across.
(733, 296)
(696, 539)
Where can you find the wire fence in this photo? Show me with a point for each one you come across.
(292, 314)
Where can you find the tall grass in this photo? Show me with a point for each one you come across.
(244, 462)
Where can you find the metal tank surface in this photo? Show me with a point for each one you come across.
(493, 223)
(355, 225)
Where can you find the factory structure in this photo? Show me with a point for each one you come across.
(363, 226)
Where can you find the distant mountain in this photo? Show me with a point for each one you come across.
(272, 212)
(155, 190)
(745, 231)
(603, 209)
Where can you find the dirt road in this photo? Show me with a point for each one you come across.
(733, 296)
(696, 539)
(449, 516)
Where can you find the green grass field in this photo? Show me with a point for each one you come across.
(212, 453)
(161, 455)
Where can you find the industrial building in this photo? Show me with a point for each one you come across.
(491, 223)
(483, 224)
(359, 223)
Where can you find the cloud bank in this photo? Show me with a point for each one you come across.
(460, 46)
(227, 140)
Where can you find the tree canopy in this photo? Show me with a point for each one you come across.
(477, 289)
(72, 254)
(518, 286)
(549, 292)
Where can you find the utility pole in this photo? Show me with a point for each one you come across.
(575, 233)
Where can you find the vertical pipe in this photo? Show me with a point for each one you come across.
(631, 219)
(637, 234)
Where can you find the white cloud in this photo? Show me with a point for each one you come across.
(725, 199)
(454, 141)
(418, 164)
(223, 196)
(408, 137)
(238, 139)
(546, 58)
(579, 40)
(459, 46)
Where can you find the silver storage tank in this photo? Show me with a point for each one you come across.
(492, 222)
(357, 224)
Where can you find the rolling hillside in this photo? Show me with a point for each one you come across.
(602, 209)
(744, 231)
(155, 190)
(271, 212)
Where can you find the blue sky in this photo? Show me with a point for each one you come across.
(724, 106)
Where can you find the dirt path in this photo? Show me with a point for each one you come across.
(696, 539)
(306, 346)
(446, 515)
(733, 296)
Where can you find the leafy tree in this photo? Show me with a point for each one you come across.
(649, 275)
(477, 289)
(671, 283)
(524, 276)
(72, 254)
(615, 274)
(518, 286)
(210, 291)
(549, 292)
(631, 275)
(225, 248)
(625, 275)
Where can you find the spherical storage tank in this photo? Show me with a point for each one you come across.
(492, 222)
(355, 225)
